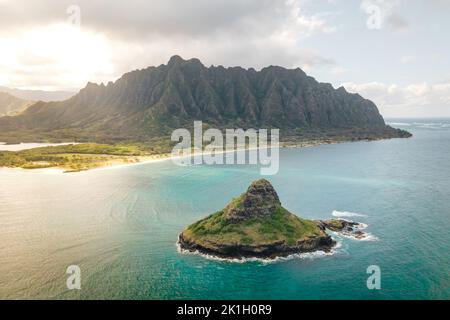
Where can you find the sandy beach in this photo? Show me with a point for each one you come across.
(127, 161)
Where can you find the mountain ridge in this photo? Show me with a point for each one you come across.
(38, 95)
(11, 105)
(151, 102)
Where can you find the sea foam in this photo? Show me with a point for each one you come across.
(264, 261)
(399, 124)
(365, 237)
(351, 235)
(337, 213)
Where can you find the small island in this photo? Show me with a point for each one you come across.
(255, 225)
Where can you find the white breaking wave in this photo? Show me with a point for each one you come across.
(361, 226)
(357, 233)
(337, 213)
(399, 123)
(429, 125)
(365, 237)
(305, 255)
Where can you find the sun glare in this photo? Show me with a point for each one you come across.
(55, 54)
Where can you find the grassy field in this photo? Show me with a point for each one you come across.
(85, 156)
(78, 157)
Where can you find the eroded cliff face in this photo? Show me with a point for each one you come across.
(271, 250)
(150, 102)
(260, 201)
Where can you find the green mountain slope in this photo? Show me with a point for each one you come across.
(10, 105)
(151, 102)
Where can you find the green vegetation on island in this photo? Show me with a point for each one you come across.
(281, 225)
(255, 225)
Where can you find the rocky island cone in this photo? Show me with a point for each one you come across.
(255, 225)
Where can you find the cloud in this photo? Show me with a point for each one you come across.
(309, 24)
(438, 4)
(196, 18)
(419, 99)
(54, 57)
(338, 70)
(397, 23)
(250, 33)
(407, 59)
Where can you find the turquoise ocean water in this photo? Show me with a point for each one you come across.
(120, 225)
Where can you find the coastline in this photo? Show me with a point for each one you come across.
(128, 161)
(141, 160)
(336, 236)
(264, 261)
(26, 146)
(52, 170)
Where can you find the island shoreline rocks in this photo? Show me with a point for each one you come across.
(347, 228)
(256, 226)
(272, 252)
(263, 251)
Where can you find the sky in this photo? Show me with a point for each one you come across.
(394, 52)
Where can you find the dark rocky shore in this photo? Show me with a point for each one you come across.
(265, 251)
(255, 225)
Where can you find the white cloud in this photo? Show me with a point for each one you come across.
(407, 59)
(308, 24)
(57, 56)
(419, 99)
(115, 38)
(338, 70)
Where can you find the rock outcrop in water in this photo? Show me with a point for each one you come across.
(344, 227)
(255, 225)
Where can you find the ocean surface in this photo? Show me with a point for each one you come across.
(120, 225)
